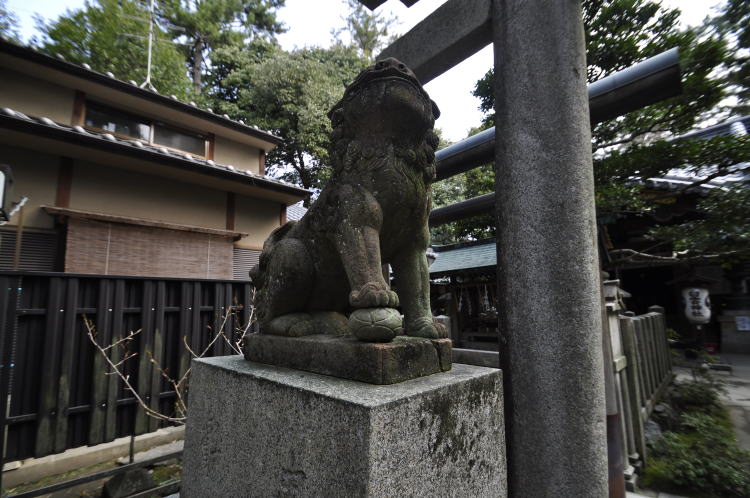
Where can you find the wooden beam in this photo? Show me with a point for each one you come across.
(282, 214)
(79, 109)
(455, 31)
(64, 182)
(262, 163)
(210, 148)
(230, 211)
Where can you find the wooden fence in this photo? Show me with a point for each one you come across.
(54, 390)
(642, 366)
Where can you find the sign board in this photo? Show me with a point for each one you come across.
(742, 323)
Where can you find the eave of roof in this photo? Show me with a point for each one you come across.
(480, 255)
(110, 81)
(111, 218)
(19, 122)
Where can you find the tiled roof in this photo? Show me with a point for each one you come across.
(108, 79)
(464, 256)
(295, 212)
(677, 179)
(18, 121)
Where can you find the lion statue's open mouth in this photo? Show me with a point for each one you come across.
(315, 272)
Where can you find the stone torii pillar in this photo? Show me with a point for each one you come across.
(548, 269)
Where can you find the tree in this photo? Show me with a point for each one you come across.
(290, 93)
(8, 23)
(207, 25)
(619, 34)
(734, 22)
(111, 35)
(368, 31)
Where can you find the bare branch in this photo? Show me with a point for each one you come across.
(180, 386)
(127, 338)
(625, 257)
(91, 329)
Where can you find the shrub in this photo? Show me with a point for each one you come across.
(700, 395)
(702, 458)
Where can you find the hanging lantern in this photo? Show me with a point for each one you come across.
(697, 305)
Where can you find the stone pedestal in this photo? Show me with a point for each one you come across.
(347, 357)
(261, 430)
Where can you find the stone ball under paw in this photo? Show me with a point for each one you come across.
(375, 324)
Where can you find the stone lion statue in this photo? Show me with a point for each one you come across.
(372, 212)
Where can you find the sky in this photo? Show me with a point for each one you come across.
(310, 23)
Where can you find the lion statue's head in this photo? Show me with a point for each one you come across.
(385, 104)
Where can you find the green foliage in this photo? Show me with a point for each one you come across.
(368, 30)
(207, 25)
(472, 183)
(619, 34)
(734, 23)
(702, 459)
(696, 396)
(725, 227)
(291, 94)
(110, 35)
(8, 23)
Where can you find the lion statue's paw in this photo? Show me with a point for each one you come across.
(426, 327)
(373, 295)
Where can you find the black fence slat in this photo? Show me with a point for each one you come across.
(66, 366)
(157, 353)
(184, 327)
(99, 379)
(115, 355)
(51, 362)
(219, 348)
(7, 318)
(146, 346)
(229, 325)
(195, 329)
(61, 396)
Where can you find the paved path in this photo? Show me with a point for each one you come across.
(737, 398)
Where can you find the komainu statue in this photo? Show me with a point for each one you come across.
(314, 272)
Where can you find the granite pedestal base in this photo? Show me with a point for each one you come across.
(257, 430)
(347, 357)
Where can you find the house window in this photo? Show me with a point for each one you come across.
(176, 139)
(118, 123)
(126, 125)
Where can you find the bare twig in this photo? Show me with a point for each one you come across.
(91, 329)
(180, 386)
(622, 257)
